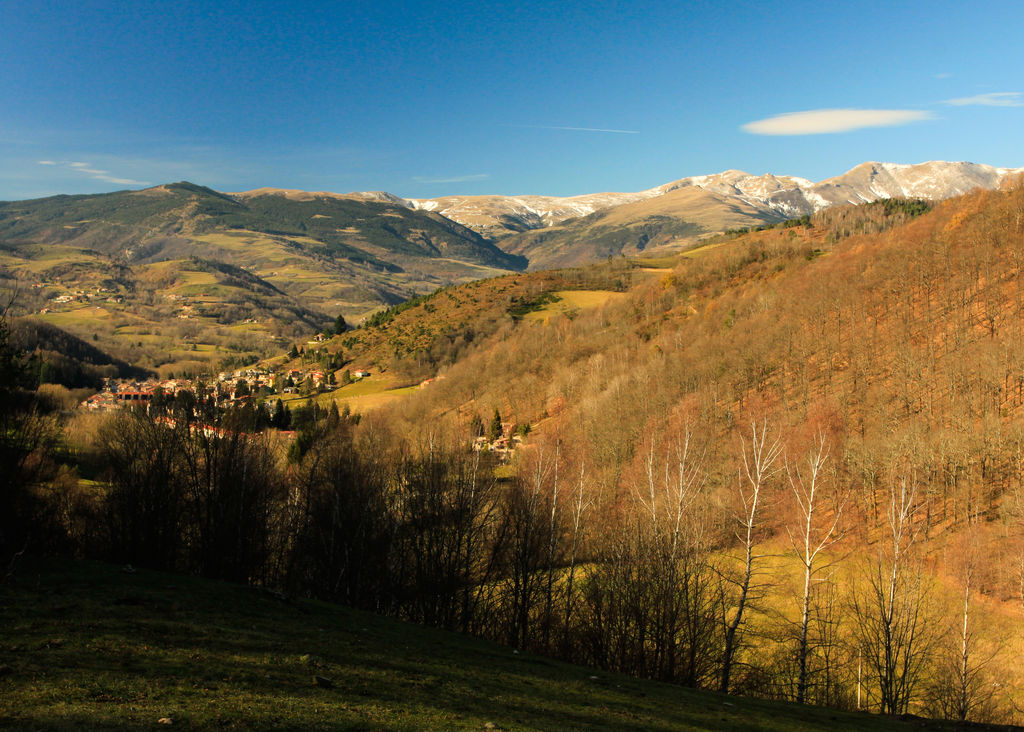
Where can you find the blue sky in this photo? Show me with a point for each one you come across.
(432, 99)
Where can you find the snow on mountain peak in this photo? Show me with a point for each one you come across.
(775, 196)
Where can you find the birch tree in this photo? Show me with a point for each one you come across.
(673, 506)
(813, 536)
(892, 623)
(759, 466)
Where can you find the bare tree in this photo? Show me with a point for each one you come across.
(683, 601)
(554, 534)
(892, 623)
(26, 441)
(759, 460)
(581, 504)
(962, 688)
(144, 506)
(813, 538)
(528, 511)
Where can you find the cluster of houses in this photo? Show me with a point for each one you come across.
(122, 392)
(82, 296)
(230, 386)
(503, 446)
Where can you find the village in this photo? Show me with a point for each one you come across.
(231, 388)
(263, 385)
(68, 296)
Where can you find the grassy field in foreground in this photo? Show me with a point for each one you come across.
(85, 645)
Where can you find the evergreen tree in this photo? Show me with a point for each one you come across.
(495, 430)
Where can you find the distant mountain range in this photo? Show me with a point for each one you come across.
(334, 253)
(257, 255)
(773, 196)
(552, 231)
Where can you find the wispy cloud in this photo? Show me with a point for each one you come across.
(830, 121)
(578, 129)
(992, 99)
(454, 179)
(94, 173)
(943, 75)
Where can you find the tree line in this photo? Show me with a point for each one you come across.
(686, 577)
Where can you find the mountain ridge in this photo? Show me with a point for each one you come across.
(775, 195)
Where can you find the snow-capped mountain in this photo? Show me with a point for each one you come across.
(791, 196)
(776, 196)
(496, 216)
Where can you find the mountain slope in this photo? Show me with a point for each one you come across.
(56, 356)
(496, 216)
(772, 197)
(232, 272)
(912, 332)
(670, 221)
(154, 223)
(788, 196)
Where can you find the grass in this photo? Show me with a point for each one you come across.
(658, 264)
(572, 300)
(78, 316)
(45, 258)
(361, 396)
(87, 645)
(701, 250)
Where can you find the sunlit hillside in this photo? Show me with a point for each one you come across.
(898, 351)
(784, 465)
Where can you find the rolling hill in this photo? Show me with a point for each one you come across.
(239, 274)
(233, 274)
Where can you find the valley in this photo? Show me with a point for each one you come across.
(558, 459)
(512, 366)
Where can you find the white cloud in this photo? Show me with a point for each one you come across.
(993, 99)
(828, 121)
(944, 75)
(454, 179)
(94, 173)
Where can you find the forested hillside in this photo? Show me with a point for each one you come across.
(889, 360)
